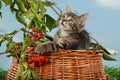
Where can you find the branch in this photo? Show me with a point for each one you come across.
(54, 8)
(3, 53)
(95, 40)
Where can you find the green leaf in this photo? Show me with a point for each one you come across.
(20, 5)
(42, 9)
(17, 76)
(13, 32)
(7, 2)
(28, 75)
(10, 45)
(105, 52)
(46, 3)
(20, 18)
(35, 76)
(108, 57)
(25, 74)
(26, 43)
(33, 11)
(26, 4)
(24, 66)
(29, 14)
(12, 7)
(50, 22)
(0, 4)
(2, 39)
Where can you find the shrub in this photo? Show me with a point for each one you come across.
(113, 72)
(3, 74)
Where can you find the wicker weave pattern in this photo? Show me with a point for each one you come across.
(70, 65)
(12, 71)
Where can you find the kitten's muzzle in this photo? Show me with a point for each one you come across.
(62, 22)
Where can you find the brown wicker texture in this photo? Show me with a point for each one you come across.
(13, 70)
(68, 65)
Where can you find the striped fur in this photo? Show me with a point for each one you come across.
(71, 34)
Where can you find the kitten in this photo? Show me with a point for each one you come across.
(71, 34)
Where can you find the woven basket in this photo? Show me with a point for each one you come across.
(67, 65)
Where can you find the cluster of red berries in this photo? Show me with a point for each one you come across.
(35, 34)
(39, 61)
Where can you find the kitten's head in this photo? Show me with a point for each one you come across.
(71, 21)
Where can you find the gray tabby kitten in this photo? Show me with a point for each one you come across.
(71, 34)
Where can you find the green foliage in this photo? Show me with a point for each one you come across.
(113, 73)
(3, 74)
(50, 22)
(106, 52)
(7, 2)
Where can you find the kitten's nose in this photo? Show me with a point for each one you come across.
(63, 21)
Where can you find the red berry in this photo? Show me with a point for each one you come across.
(39, 34)
(31, 44)
(34, 30)
(30, 61)
(46, 60)
(37, 64)
(35, 60)
(36, 38)
(30, 35)
(40, 63)
(42, 58)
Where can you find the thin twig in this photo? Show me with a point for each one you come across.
(3, 53)
(95, 41)
(53, 8)
(59, 9)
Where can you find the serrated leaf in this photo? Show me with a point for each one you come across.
(7, 2)
(50, 22)
(20, 18)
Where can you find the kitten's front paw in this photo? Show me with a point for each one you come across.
(45, 48)
(40, 49)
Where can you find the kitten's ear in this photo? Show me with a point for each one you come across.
(83, 18)
(68, 9)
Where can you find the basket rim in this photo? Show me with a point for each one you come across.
(72, 52)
